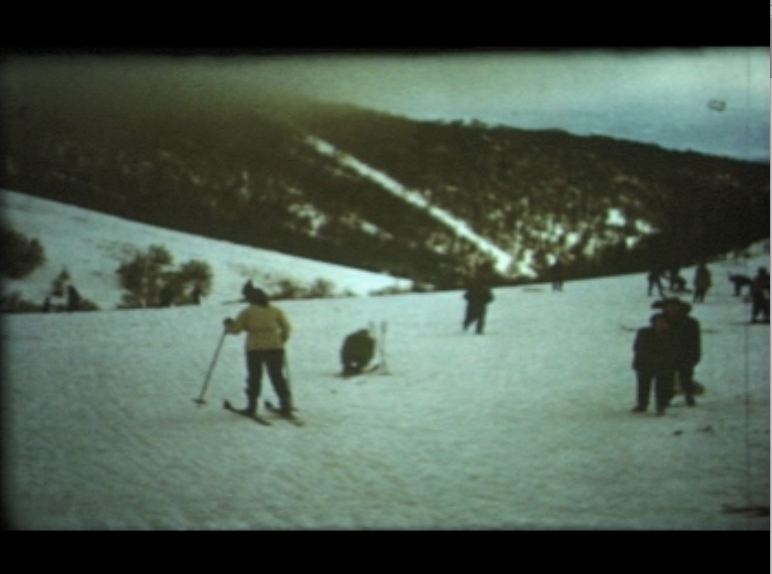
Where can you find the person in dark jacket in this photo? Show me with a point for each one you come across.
(760, 295)
(357, 351)
(687, 342)
(654, 360)
(478, 296)
(702, 282)
(556, 272)
(655, 280)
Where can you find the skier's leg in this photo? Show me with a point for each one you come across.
(254, 377)
(468, 317)
(685, 375)
(663, 390)
(481, 321)
(275, 363)
(643, 390)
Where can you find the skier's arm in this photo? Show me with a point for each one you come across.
(237, 326)
(284, 326)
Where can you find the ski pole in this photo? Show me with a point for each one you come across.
(200, 400)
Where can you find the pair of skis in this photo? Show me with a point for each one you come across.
(262, 420)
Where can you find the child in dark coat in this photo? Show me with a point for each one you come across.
(654, 360)
(357, 351)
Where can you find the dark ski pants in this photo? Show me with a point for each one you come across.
(656, 283)
(686, 379)
(663, 388)
(760, 307)
(273, 359)
(475, 315)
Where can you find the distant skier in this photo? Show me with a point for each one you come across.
(655, 280)
(702, 282)
(677, 283)
(73, 298)
(740, 281)
(654, 360)
(267, 330)
(687, 342)
(357, 352)
(760, 295)
(556, 272)
(478, 296)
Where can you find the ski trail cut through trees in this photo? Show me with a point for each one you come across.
(503, 259)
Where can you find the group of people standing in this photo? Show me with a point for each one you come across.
(665, 353)
(702, 281)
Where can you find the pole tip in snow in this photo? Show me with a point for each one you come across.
(199, 401)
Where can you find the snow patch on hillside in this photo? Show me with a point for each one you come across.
(504, 261)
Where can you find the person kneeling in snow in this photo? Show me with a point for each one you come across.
(267, 331)
(357, 351)
(655, 360)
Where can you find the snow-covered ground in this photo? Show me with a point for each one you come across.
(525, 427)
(92, 245)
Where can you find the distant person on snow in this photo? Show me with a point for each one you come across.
(702, 282)
(73, 298)
(655, 280)
(760, 295)
(267, 331)
(654, 360)
(686, 339)
(556, 271)
(677, 283)
(478, 296)
(357, 352)
(740, 281)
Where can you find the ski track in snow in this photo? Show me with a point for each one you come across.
(527, 426)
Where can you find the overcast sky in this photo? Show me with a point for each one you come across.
(653, 95)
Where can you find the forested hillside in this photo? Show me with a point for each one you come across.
(242, 167)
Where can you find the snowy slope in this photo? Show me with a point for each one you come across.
(527, 426)
(91, 246)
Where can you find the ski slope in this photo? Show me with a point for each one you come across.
(92, 245)
(524, 427)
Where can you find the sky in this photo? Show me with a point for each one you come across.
(655, 95)
(651, 95)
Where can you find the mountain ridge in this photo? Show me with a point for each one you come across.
(244, 171)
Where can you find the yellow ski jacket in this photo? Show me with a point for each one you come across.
(267, 327)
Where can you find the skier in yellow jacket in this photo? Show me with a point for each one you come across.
(267, 331)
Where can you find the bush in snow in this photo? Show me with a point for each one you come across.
(15, 303)
(19, 255)
(150, 281)
(289, 289)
